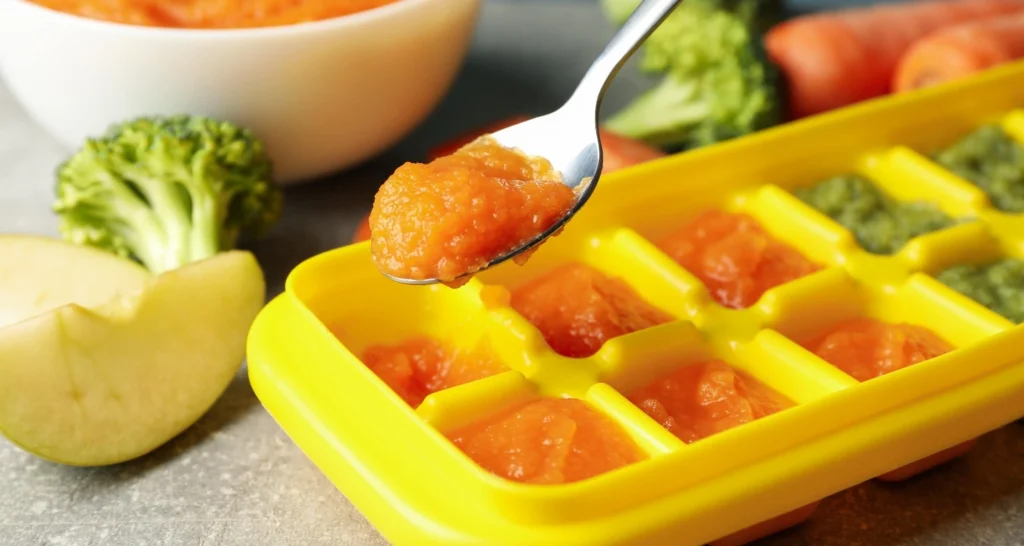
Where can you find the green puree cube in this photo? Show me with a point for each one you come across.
(880, 224)
(998, 285)
(992, 161)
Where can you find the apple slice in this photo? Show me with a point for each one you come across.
(89, 387)
(38, 274)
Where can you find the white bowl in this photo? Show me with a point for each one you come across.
(323, 96)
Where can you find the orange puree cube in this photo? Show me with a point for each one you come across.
(867, 348)
(452, 216)
(548, 441)
(706, 398)
(419, 367)
(577, 308)
(734, 257)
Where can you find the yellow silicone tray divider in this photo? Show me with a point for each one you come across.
(649, 435)
(396, 466)
(1013, 123)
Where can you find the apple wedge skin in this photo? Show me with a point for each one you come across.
(93, 387)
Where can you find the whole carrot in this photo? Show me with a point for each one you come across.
(957, 52)
(838, 58)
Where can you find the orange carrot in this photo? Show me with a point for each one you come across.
(362, 232)
(621, 152)
(838, 58)
(960, 51)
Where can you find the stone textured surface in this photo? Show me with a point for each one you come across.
(235, 479)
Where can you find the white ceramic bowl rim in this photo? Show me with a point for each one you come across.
(333, 23)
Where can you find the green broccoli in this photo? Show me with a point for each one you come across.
(991, 160)
(764, 13)
(167, 191)
(879, 223)
(719, 82)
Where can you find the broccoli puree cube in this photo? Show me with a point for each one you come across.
(992, 161)
(998, 285)
(880, 224)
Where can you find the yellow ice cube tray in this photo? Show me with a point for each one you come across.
(396, 466)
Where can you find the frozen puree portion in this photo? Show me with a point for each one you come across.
(212, 14)
(880, 224)
(578, 308)
(868, 348)
(991, 160)
(734, 257)
(421, 366)
(706, 398)
(452, 216)
(548, 441)
(997, 285)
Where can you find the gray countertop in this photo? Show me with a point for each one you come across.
(236, 479)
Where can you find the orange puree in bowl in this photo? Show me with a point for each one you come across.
(212, 14)
(734, 257)
(702, 399)
(868, 348)
(548, 441)
(452, 216)
(419, 367)
(577, 308)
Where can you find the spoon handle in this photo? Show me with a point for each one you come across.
(647, 16)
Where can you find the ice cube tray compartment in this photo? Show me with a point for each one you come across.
(396, 465)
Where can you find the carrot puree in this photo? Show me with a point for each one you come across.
(211, 14)
(706, 398)
(452, 216)
(548, 441)
(734, 257)
(577, 308)
(868, 348)
(419, 367)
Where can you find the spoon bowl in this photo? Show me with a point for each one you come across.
(568, 138)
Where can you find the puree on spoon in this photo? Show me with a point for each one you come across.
(211, 13)
(451, 217)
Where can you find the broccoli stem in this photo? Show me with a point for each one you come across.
(171, 210)
(205, 237)
(206, 218)
(662, 115)
(141, 231)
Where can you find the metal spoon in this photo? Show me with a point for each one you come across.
(568, 137)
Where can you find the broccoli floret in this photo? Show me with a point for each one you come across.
(167, 191)
(763, 13)
(671, 44)
(719, 83)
